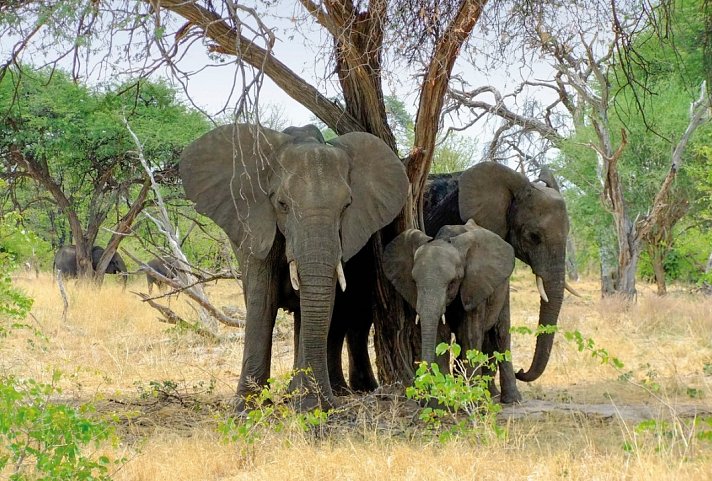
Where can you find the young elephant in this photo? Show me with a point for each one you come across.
(468, 262)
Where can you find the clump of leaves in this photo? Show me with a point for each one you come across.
(458, 404)
(272, 411)
(14, 304)
(42, 439)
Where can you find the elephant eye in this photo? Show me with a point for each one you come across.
(534, 238)
(283, 206)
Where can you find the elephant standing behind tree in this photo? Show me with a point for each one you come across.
(65, 261)
(530, 216)
(164, 267)
(462, 277)
(296, 208)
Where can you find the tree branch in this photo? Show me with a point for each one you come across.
(433, 91)
(228, 41)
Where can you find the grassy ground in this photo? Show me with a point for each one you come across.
(169, 391)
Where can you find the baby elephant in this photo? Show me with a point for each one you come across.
(464, 261)
(162, 266)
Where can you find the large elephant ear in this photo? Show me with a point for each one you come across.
(489, 261)
(379, 186)
(398, 259)
(226, 172)
(486, 191)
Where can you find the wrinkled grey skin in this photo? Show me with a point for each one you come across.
(65, 261)
(282, 198)
(530, 216)
(163, 267)
(462, 274)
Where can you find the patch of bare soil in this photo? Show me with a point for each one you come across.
(171, 409)
(630, 413)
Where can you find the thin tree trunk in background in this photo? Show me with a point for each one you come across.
(609, 270)
(657, 259)
(571, 268)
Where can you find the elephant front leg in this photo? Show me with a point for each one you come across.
(470, 336)
(261, 306)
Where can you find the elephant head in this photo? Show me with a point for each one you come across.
(116, 264)
(532, 217)
(468, 261)
(325, 199)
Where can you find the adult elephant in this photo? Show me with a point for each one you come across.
(65, 261)
(295, 208)
(462, 277)
(530, 216)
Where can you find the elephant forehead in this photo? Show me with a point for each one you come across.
(436, 258)
(313, 159)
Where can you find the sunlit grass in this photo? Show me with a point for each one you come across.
(111, 349)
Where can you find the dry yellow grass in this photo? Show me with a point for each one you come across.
(111, 348)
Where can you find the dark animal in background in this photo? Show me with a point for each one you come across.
(65, 261)
(164, 267)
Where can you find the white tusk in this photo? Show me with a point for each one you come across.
(443, 319)
(571, 289)
(417, 319)
(294, 275)
(540, 287)
(342, 277)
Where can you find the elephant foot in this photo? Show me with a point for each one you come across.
(362, 382)
(510, 396)
(311, 401)
(338, 383)
(341, 389)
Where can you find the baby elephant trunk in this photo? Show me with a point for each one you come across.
(431, 316)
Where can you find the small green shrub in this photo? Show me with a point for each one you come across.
(272, 412)
(43, 439)
(457, 404)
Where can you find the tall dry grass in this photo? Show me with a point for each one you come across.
(114, 353)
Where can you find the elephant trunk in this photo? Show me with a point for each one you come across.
(430, 315)
(548, 316)
(316, 267)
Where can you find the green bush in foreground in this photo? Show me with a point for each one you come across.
(44, 440)
(41, 439)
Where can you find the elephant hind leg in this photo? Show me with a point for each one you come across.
(361, 376)
(334, 348)
(501, 340)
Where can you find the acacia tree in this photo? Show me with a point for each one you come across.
(591, 78)
(69, 140)
(422, 42)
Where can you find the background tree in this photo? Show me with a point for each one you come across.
(69, 140)
(609, 100)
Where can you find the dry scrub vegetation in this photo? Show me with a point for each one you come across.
(169, 390)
